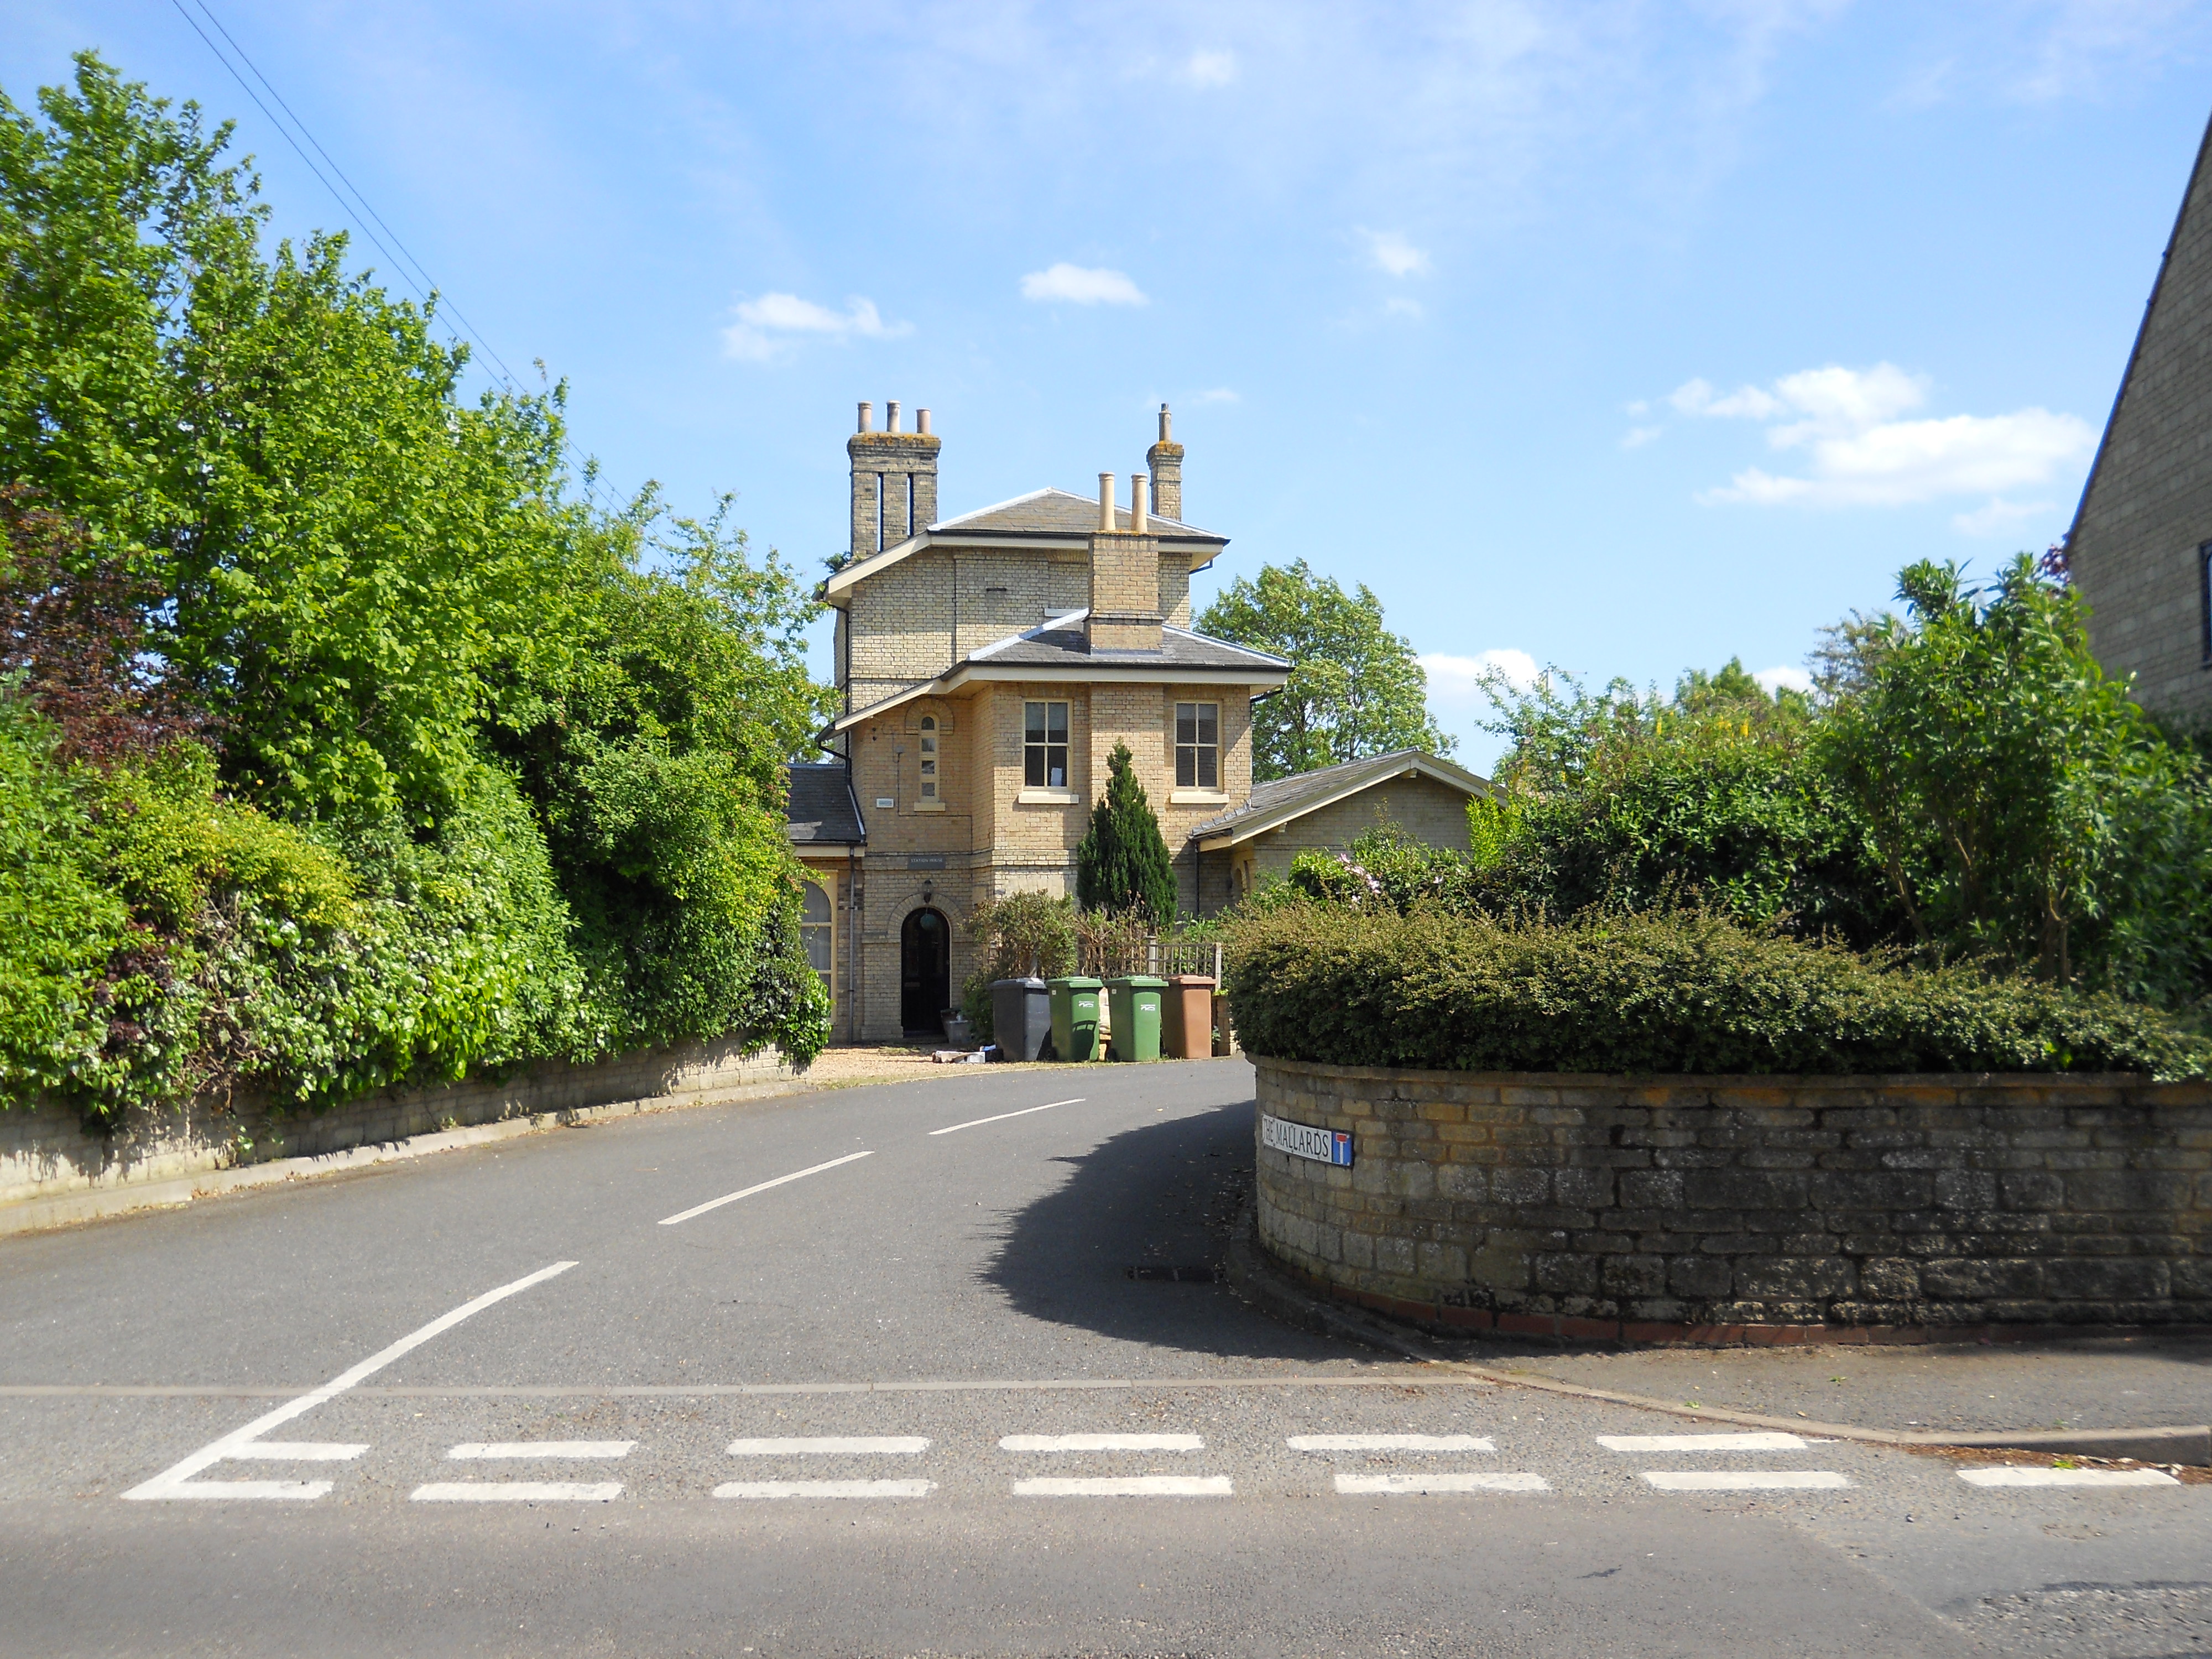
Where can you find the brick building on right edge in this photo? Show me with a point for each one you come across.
(2140, 550)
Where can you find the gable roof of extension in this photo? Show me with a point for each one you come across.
(1286, 800)
(1059, 650)
(1043, 518)
(821, 810)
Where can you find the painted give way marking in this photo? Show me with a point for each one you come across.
(178, 1482)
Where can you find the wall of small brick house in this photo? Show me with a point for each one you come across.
(1708, 1207)
(2134, 551)
(1431, 812)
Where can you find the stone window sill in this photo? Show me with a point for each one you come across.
(1047, 798)
(1197, 798)
(929, 806)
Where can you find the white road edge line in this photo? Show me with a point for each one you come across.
(1102, 1443)
(517, 1492)
(977, 1122)
(543, 1448)
(176, 1481)
(832, 1445)
(825, 1489)
(1745, 1480)
(2035, 1476)
(1362, 1485)
(731, 1198)
(1129, 1486)
(1700, 1443)
(1326, 1442)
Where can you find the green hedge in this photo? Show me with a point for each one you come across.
(1665, 994)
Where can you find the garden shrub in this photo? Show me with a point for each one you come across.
(1022, 935)
(1688, 991)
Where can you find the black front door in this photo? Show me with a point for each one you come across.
(925, 971)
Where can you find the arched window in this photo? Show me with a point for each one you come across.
(929, 758)
(817, 927)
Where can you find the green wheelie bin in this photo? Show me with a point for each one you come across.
(1075, 1018)
(1134, 1004)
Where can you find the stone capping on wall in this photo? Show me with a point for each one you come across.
(46, 1152)
(1746, 1209)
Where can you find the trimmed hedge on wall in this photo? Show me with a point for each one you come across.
(1683, 992)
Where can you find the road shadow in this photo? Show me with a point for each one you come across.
(1156, 1199)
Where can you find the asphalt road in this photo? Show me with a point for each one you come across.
(550, 1396)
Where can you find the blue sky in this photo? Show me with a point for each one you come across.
(1620, 337)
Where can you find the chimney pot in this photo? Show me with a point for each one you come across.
(1138, 525)
(867, 417)
(891, 416)
(922, 422)
(1106, 502)
(1167, 425)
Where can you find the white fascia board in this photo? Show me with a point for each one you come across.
(1130, 673)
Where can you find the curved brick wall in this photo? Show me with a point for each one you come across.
(1741, 1208)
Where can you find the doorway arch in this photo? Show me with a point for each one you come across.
(925, 970)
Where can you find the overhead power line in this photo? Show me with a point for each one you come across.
(409, 268)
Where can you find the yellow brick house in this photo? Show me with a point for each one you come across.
(987, 665)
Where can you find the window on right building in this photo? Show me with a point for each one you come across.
(1198, 745)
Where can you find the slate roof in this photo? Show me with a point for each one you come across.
(1061, 641)
(1057, 512)
(1281, 799)
(822, 811)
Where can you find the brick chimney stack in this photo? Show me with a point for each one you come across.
(1125, 576)
(1166, 459)
(894, 480)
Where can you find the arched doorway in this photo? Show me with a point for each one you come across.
(925, 971)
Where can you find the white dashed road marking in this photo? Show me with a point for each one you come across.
(1434, 1442)
(731, 1198)
(978, 1123)
(1700, 1443)
(297, 1451)
(843, 1445)
(1102, 1443)
(825, 1489)
(1362, 1485)
(543, 1448)
(1129, 1486)
(2014, 1475)
(1744, 1480)
(517, 1491)
(176, 1481)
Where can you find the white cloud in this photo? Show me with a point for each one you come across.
(1997, 515)
(1858, 453)
(1393, 253)
(1774, 679)
(1399, 306)
(1460, 679)
(1210, 68)
(771, 325)
(1081, 287)
(1220, 394)
(1637, 436)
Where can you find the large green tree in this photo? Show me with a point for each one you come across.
(545, 741)
(1356, 689)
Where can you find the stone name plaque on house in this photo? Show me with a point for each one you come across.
(1304, 1140)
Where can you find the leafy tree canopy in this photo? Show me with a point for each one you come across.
(1356, 689)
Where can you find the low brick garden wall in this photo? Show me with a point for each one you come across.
(45, 1151)
(1732, 1209)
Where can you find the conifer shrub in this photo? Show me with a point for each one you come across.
(1122, 863)
(1682, 992)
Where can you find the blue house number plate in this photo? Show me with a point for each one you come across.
(1304, 1140)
